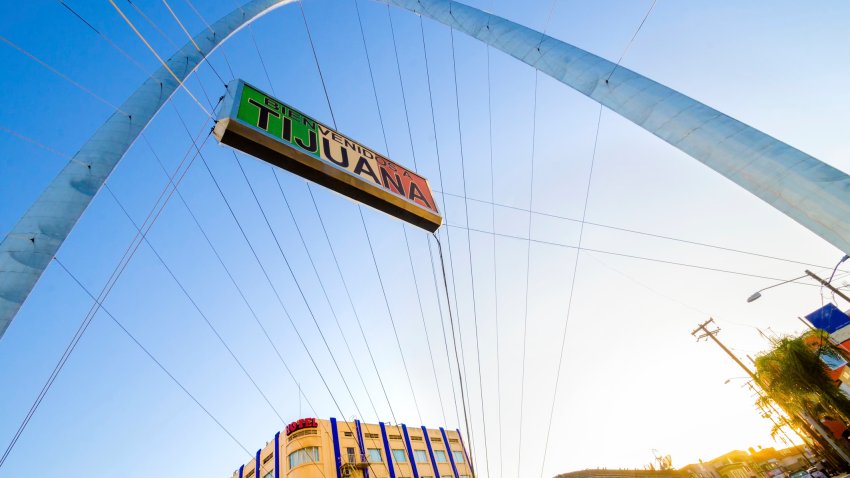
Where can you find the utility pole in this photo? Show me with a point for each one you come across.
(712, 334)
(813, 428)
(827, 285)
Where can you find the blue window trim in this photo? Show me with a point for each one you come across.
(335, 434)
(410, 451)
(449, 451)
(463, 446)
(277, 455)
(427, 439)
(360, 443)
(241, 469)
(389, 453)
(257, 464)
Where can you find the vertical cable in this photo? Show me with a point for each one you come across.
(469, 252)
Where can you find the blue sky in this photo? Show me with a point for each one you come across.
(633, 379)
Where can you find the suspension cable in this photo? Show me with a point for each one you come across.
(642, 233)
(461, 368)
(210, 29)
(572, 290)
(495, 266)
(195, 305)
(161, 61)
(129, 253)
(64, 76)
(150, 355)
(192, 40)
(104, 37)
(416, 168)
(469, 251)
(363, 220)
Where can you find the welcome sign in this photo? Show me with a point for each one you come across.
(269, 129)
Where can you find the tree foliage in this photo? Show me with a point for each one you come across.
(793, 375)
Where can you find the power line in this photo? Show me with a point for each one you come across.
(642, 233)
(631, 256)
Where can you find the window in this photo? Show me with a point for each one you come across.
(304, 455)
(439, 456)
(458, 456)
(348, 434)
(399, 456)
(448, 476)
(352, 458)
(269, 475)
(464, 476)
(374, 455)
(421, 456)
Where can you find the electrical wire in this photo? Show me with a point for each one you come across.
(631, 256)
(642, 233)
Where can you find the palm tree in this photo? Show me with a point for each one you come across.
(793, 375)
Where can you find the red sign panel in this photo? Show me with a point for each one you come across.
(300, 424)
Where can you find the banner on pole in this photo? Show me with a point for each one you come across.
(269, 129)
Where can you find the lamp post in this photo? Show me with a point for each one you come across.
(757, 293)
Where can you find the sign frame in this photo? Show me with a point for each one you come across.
(237, 133)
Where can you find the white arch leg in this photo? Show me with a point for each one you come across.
(28, 249)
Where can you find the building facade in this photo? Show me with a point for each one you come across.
(313, 448)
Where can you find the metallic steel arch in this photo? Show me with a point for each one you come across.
(806, 189)
(30, 246)
(809, 191)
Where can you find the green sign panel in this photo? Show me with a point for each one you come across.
(271, 130)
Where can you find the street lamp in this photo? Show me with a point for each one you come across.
(757, 293)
